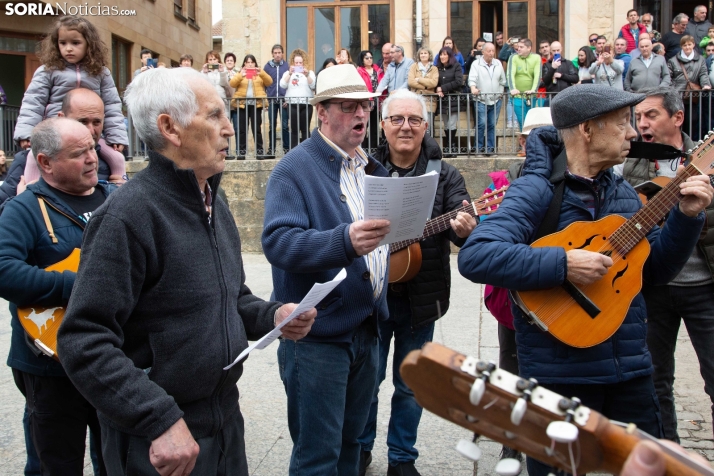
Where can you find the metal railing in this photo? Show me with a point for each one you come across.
(464, 124)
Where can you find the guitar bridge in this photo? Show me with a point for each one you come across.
(583, 301)
(45, 350)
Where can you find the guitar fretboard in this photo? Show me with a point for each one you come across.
(636, 228)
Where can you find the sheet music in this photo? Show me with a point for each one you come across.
(313, 297)
(406, 202)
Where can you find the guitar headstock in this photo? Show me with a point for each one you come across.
(489, 202)
(702, 156)
(521, 414)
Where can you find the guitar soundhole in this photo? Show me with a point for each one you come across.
(570, 243)
(604, 238)
(617, 291)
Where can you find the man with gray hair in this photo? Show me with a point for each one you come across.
(39, 228)
(689, 297)
(161, 305)
(414, 305)
(698, 25)
(575, 175)
(396, 74)
(671, 40)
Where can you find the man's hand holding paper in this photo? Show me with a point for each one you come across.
(299, 327)
(365, 235)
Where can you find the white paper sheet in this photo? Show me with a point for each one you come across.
(406, 202)
(313, 297)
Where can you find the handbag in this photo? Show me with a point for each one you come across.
(690, 86)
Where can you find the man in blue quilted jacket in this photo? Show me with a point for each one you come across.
(613, 377)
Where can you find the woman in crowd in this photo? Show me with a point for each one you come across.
(586, 58)
(250, 83)
(371, 75)
(423, 78)
(688, 70)
(607, 70)
(449, 43)
(475, 53)
(299, 82)
(344, 57)
(451, 79)
(229, 59)
(329, 62)
(217, 74)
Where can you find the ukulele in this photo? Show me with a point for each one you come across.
(519, 413)
(405, 256)
(586, 315)
(42, 323)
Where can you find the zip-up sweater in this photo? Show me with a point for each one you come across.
(524, 73)
(160, 306)
(276, 71)
(25, 250)
(306, 239)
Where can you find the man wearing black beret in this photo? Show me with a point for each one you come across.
(592, 133)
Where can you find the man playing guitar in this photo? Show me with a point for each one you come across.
(415, 305)
(614, 376)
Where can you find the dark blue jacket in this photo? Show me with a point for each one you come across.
(306, 240)
(276, 72)
(497, 253)
(25, 250)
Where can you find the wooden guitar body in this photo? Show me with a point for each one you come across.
(443, 380)
(555, 311)
(405, 264)
(41, 323)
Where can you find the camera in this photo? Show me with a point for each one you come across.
(213, 67)
(606, 49)
(513, 41)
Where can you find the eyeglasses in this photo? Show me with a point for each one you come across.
(399, 120)
(351, 106)
(367, 57)
(593, 40)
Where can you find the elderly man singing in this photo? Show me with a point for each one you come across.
(161, 304)
(613, 377)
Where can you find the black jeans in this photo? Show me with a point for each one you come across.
(507, 350)
(59, 416)
(300, 117)
(632, 401)
(253, 115)
(219, 455)
(667, 306)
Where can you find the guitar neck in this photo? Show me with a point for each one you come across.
(435, 226)
(636, 228)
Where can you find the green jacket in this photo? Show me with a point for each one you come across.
(524, 73)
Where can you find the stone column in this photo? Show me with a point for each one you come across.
(404, 26)
(576, 27)
(437, 12)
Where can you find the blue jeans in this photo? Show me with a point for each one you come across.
(329, 388)
(632, 401)
(487, 116)
(406, 412)
(275, 109)
(667, 307)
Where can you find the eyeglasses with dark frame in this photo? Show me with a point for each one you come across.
(367, 57)
(351, 106)
(593, 40)
(413, 121)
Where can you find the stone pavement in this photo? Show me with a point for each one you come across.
(468, 327)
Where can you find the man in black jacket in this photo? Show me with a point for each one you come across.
(414, 306)
(558, 74)
(160, 304)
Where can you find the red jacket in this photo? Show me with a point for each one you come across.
(367, 79)
(627, 35)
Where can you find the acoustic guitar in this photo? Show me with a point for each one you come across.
(519, 413)
(42, 323)
(662, 181)
(405, 256)
(586, 315)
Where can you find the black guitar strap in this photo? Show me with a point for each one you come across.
(557, 177)
(653, 151)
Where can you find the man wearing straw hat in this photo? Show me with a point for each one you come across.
(313, 228)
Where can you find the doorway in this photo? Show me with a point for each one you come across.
(490, 18)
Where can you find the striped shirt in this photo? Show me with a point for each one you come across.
(352, 186)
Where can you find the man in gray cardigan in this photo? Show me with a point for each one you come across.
(161, 306)
(647, 70)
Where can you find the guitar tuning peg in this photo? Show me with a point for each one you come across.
(508, 467)
(562, 432)
(519, 409)
(689, 151)
(479, 386)
(469, 450)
